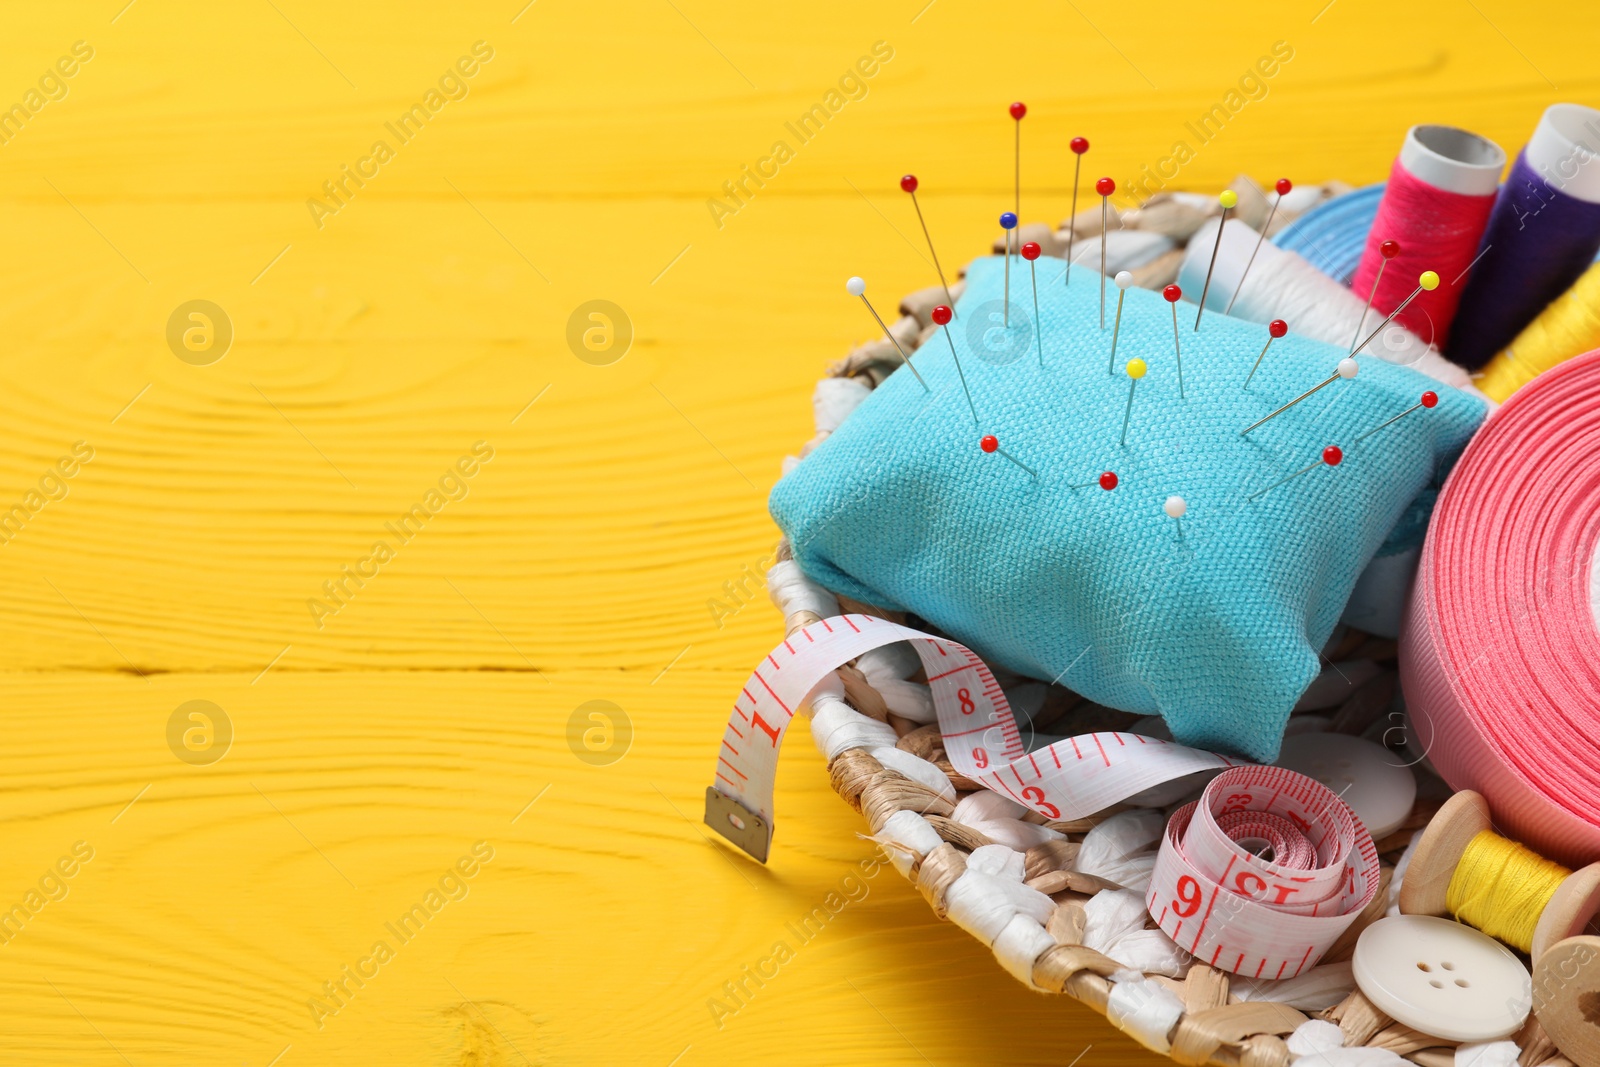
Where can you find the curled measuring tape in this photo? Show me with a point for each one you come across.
(1069, 779)
(1262, 874)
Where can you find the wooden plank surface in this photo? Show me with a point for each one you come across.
(373, 746)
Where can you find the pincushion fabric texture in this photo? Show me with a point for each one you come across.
(1213, 620)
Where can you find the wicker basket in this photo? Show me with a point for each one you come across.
(1217, 1027)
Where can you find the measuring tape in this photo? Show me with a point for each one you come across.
(1070, 779)
(1263, 873)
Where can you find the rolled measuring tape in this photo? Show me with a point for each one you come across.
(1500, 659)
(1262, 874)
(1069, 779)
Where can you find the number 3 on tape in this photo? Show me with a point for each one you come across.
(1067, 780)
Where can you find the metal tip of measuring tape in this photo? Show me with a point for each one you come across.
(738, 824)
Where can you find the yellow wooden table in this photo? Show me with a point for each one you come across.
(370, 508)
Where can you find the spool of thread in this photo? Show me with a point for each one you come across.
(1568, 327)
(1500, 659)
(1282, 285)
(1542, 234)
(1437, 203)
(1463, 868)
(1566, 998)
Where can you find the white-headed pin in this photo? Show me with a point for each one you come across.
(1124, 281)
(858, 287)
(1346, 369)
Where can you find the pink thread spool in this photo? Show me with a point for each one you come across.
(1440, 192)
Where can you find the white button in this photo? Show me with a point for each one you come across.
(1442, 978)
(1364, 774)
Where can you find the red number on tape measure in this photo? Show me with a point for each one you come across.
(1236, 802)
(1188, 901)
(980, 757)
(1036, 795)
(1253, 892)
(766, 728)
(967, 706)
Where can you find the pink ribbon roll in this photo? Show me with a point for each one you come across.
(1500, 659)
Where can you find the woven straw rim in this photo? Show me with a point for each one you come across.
(1216, 1027)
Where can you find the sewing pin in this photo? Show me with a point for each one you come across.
(1172, 293)
(1135, 369)
(1228, 199)
(1030, 252)
(942, 317)
(990, 443)
(1429, 399)
(1347, 369)
(1176, 507)
(1275, 329)
(1080, 145)
(1332, 456)
(1283, 186)
(1105, 187)
(1124, 279)
(909, 184)
(1388, 250)
(1427, 280)
(858, 287)
(1106, 481)
(1018, 110)
(1008, 220)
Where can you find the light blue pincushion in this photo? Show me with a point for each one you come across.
(1213, 620)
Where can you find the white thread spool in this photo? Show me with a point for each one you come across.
(1564, 140)
(1282, 285)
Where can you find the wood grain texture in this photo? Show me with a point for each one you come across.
(372, 751)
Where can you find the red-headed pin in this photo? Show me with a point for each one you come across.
(1228, 199)
(1080, 145)
(1346, 369)
(1172, 294)
(990, 443)
(1275, 329)
(1429, 399)
(1106, 481)
(1030, 252)
(1018, 110)
(1283, 187)
(1332, 456)
(1386, 251)
(1427, 280)
(1124, 279)
(941, 317)
(858, 287)
(909, 184)
(1105, 187)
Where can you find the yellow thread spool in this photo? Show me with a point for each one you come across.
(1502, 888)
(1461, 867)
(1569, 326)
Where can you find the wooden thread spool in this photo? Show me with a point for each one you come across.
(1428, 889)
(1566, 997)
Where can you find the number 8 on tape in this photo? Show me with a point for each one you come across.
(1069, 779)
